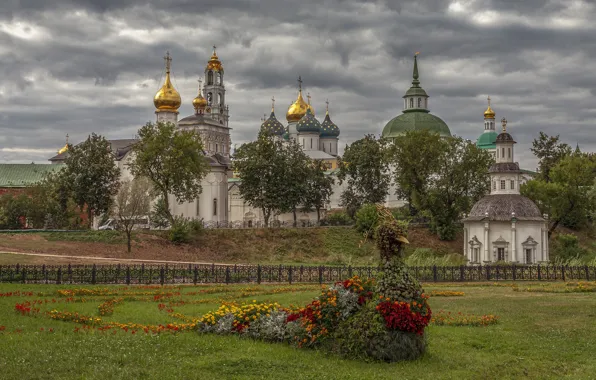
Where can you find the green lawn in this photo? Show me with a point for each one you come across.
(540, 335)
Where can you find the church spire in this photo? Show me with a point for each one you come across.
(415, 99)
(415, 81)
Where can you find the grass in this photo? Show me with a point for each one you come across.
(539, 336)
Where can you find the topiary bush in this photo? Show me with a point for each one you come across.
(366, 219)
(337, 219)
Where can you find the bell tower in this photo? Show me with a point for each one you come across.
(214, 91)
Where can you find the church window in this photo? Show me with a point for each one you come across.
(311, 143)
(197, 206)
(500, 254)
(215, 148)
(411, 102)
(210, 77)
(528, 256)
(494, 185)
(330, 150)
(475, 254)
(221, 100)
(419, 102)
(214, 206)
(209, 98)
(502, 152)
(220, 77)
(502, 184)
(512, 185)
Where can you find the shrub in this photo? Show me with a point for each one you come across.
(340, 218)
(429, 257)
(366, 219)
(159, 214)
(180, 231)
(566, 247)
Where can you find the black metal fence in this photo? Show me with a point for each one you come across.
(241, 274)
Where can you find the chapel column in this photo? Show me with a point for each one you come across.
(513, 240)
(486, 256)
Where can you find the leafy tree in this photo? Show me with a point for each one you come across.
(92, 175)
(461, 180)
(568, 196)
(414, 157)
(549, 151)
(366, 219)
(13, 211)
(48, 202)
(159, 214)
(133, 200)
(294, 176)
(365, 169)
(319, 187)
(172, 159)
(261, 166)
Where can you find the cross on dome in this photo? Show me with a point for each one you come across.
(504, 124)
(308, 97)
(168, 60)
(299, 82)
(272, 103)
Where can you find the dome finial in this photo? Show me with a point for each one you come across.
(65, 147)
(415, 80)
(327, 106)
(167, 98)
(199, 103)
(489, 113)
(299, 83)
(504, 124)
(273, 104)
(308, 97)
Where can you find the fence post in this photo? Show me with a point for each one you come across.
(24, 275)
(434, 273)
(563, 271)
(539, 273)
(279, 273)
(45, 273)
(349, 271)
(227, 275)
(461, 273)
(320, 274)
(93, 274)
(487, 273)
(513, 273)
(69, 274)
(196, 275)
(59, 276)
(290, 274)
(128, 275)
(587, 273)
(259, 274)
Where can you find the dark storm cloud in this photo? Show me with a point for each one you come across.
(94, 65)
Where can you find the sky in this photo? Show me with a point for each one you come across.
(81, 66)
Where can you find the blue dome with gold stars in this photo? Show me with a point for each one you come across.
(273, 126)
(329, 128)
(308, 123)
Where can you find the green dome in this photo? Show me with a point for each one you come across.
(308, 123)
(272, 126)
(487, 140)
(329, 128)
(418, 120)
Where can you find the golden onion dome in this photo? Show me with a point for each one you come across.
(214, 63)
(199, 103)
(489, 113)
(65, 147)
(298, 109)
(167, 99)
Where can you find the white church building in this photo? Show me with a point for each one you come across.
(505, 226)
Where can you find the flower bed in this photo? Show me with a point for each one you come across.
(446, 293)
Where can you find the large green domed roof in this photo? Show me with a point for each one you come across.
(487, 140)
(421, 120)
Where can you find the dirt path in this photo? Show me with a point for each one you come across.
(63, 259)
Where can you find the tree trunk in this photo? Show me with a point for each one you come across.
(294, 212)
(266, 217)
(128, 233)
(89, 217)
(318, 215)
(166, 203)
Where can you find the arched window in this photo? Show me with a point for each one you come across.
(411, 102)
(419, 102)
(311, 143)
(502, 152)
(494, 185)
(214, 206)
(512, 185)
(509, 152)
(220, 77)
(221, 101)
(502, 184)
(405, 103)
(210, 77)
(215, 148)
(330, 150)
(209, 98)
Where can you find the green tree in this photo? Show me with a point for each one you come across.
(549, 151)
(261, 167)
(13, 210)
(319, 187)
(92, 176)
(568, 196)
(461, 180)
(172, 159)
(133, 201)
(295, 172)
(414, 157)
(365, 169)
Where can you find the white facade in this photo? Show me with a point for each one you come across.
(505, 226)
